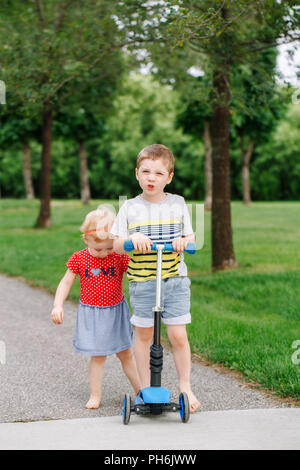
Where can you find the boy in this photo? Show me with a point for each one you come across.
(155, 216)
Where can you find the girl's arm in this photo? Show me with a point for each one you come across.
(62, 293)
(119, 245)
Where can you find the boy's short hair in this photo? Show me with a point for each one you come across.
(155, 152)
(97, 223)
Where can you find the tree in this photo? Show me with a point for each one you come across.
(234, 31)
(83, 116)
(17, 130)
(257, 105)
(195, 119)
(49, 49)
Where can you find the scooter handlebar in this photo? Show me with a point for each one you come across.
(191, 247)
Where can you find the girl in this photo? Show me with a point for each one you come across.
(103, 321)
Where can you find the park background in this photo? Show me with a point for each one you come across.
(89, 85)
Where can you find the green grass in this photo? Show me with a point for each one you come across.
(247, 318)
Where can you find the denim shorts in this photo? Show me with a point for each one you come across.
(175, 299)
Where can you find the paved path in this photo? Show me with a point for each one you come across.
(43, 378)
(261, 429)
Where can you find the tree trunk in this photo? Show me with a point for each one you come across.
(208, 167)
(27, 171)
(44, 218)
(84, 177)
(222, 245)
(246, 170)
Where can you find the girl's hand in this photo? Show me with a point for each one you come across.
(141, 242)
(57, 315)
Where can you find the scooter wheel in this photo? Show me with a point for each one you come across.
(184, 407)
(126, 409)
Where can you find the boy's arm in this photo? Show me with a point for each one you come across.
(179, 244)
(62, 293)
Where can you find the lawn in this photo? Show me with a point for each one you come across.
(247, 318)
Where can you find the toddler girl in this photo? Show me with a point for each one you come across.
(103, 321)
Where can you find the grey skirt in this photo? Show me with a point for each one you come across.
(101, 331)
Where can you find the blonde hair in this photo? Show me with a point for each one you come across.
(155, 152)
(97, 223)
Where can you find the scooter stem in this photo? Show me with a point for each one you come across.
(158, 276)
(156, 350)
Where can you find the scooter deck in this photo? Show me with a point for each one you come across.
(154, 401)
(151, 395)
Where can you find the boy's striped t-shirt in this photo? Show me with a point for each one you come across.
(161, 222)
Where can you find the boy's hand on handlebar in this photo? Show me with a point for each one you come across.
(141, 242)
(57, 315)
(180, 244)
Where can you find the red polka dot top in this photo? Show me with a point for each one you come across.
(100, 278)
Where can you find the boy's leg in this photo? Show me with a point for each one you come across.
(142, 343)
(96, 368)
(130, 368)
(142, 299)
(182, 358)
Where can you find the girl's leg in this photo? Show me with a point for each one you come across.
(96, 368)
(182, 358)
(129, 367)
(143, 340)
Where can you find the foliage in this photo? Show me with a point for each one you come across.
(146, 112)
(276, 165)
(47, 46)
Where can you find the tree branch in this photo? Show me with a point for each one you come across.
(61, 17)
(40, 12)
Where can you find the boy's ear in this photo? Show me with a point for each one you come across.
(170, 177)
(136, 173)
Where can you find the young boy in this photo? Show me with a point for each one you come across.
(156, 216)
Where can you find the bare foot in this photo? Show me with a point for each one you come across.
(194, 403)
(93, 403)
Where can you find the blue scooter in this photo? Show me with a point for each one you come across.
(155, 399)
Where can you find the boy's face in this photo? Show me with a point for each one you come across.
(153, 176)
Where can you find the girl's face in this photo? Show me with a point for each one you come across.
(99, 249)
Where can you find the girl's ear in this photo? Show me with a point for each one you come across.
(84, 239)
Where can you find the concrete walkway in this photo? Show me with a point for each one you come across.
(271, 429)
(44, 379)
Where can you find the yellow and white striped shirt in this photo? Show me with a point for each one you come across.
(161, 222)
